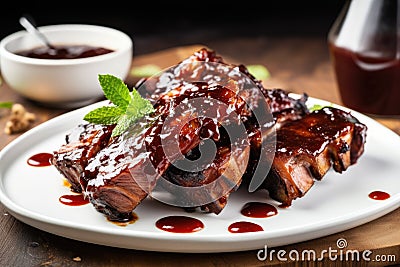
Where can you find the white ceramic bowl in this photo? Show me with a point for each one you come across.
(64, 82)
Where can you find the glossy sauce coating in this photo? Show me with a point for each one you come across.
(64, 52)
(320, 127)
(143, 153)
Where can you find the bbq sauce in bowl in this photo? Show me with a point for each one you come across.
(64, 52)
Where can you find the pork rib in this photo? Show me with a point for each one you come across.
(81, 144)
(122, 174)
(258, 99)
(307, 148)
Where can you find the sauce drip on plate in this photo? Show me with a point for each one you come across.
(179, 224)
(40, 160)
(73, 200)
(379, 195)
(258, 210)
(133, 218)
(244, 227)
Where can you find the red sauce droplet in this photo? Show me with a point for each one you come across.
(74, 200)
(179, 224)
(40, 160)
(379, 195)
(244, 227)
(258, 210)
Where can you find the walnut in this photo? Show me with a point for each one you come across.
(77, 259)
(20, 119)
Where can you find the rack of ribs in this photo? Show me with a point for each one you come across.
(117, 174)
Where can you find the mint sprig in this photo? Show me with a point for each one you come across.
(128, 106)
(115, 90)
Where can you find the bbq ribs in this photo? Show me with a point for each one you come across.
(117, 174)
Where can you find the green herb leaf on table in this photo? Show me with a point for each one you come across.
(127, 106)
(6, 104)
(145, 70)
(260, 72)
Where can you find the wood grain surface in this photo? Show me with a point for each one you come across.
(297, 65)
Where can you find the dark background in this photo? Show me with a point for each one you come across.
(154, 26)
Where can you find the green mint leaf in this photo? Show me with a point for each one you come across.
(6, 104)
(259, 72)
(123, 124)
(138, 106)
(104, 115)
(127, 109)
(115, 90)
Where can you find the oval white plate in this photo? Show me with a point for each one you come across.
(338, 202)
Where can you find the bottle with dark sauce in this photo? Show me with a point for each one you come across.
(364, 45)
(64, 52)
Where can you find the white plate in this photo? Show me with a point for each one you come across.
(338, 202)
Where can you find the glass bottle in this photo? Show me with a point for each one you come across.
(364, 49)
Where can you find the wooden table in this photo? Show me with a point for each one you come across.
(297, 65)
